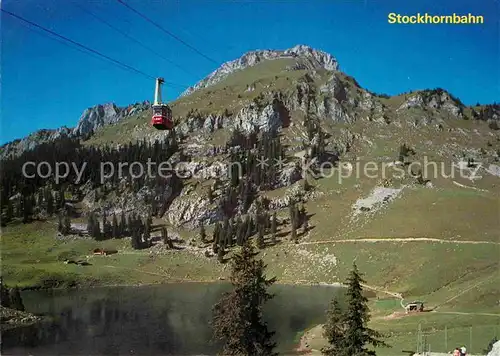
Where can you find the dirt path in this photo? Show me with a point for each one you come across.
(464, 313)
(401, 239)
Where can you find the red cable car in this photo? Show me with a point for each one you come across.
(162, 115)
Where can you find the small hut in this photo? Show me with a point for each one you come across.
(416, 306)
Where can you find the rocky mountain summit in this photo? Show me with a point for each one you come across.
(310, 59)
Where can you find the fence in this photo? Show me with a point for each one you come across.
(474, 338)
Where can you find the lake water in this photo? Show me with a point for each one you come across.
(168, 319)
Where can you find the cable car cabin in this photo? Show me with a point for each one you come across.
(162, 117)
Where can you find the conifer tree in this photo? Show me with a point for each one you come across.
(293, 223)
(96, 227)
(203, 234)
(166, 240)
(16, 302)
(228, 236)
(90, 222)
(216, 237)
(274, 227)
(115, 229)
(237, 317)
(241, 231)
(210, 195)
(353, 323)
(60, 227)
(334, 329)
(40, 201)
(66, 224)
(50, 202)
(123, 225)
(4, 295)
(27, 207)
(146, 236)
(249, 228)
(293, 234)
(9, 211)
(302, 215)
(220, 253)
(291, 211)
(260, 236)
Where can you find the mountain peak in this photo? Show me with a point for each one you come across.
(316, 59)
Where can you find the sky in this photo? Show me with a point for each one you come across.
(47, 84)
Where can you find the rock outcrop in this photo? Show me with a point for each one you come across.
(434, 99)
(101, 115)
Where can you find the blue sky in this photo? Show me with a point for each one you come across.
(46, 84)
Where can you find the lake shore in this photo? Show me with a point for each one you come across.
(175, 281)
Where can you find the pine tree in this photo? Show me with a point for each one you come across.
(60, 227)
(203, 234)
(220, 253)
(260, 236)
(61, 199)
(334, 329)
(274, 227)
(123, 225)
(66, 224)
(90, 224)
(129, 225)
(237, 317)
(26, 207)
(147, 233)
(291, 211)
(228, 237)
(136, 239)
(225, 231)
(9, 212)
(249, 227)
(40, 199)
(357, 334)
(166, 240)
(293, 222)
(241, 230)
(302, 215)
(210, 195)
(96, 227)
(305, 226)
(106, 226)
(4, 295)
(115, 230)
(293, 234)
(16, 302)
(216, 237)
(50, 202)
